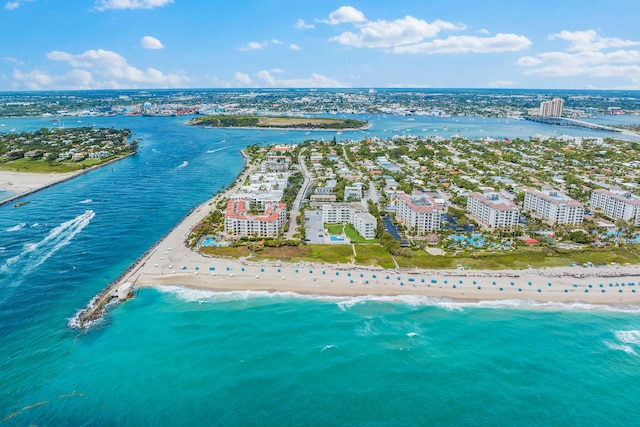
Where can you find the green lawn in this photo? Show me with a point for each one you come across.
(373, 254)
(355, 236)
(376, 255)
(42, 166)
(334, 228)
(535, 257)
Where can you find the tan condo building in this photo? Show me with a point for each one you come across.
(554, 206)
(492, 210)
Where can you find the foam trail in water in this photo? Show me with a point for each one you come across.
(34, 254)
(17, 227)
(86, 201)
(217, 149)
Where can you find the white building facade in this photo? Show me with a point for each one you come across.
(350, 213)
(418, 211)
(617, 204)
(239, 221)
(492, 210)
(553, 206)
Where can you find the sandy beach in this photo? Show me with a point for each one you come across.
(23, 182)
(172, 263)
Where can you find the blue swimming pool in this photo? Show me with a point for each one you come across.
(210, 241)
(336, 238)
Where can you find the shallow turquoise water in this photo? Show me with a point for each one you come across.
(178, 356)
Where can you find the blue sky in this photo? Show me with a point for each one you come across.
(111, 44)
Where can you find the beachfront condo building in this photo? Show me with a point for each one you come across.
(552, 108)
(418, 211)
(240, 220)
(493, 210)
(617, 203)
(350, 213)
(554, 206)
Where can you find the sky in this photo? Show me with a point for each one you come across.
(131, 44)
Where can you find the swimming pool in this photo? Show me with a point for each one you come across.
(210, 241)
(336, 238)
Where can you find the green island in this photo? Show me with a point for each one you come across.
(280, 122)
(63, 150)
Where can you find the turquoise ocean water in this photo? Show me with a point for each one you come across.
(185, 357)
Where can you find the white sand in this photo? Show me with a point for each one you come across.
(164, 266)
(22, 182)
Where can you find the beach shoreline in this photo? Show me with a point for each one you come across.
(171, 262)
(22, 184)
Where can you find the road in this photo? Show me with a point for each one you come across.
(295, 208)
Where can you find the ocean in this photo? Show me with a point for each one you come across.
(177, 356)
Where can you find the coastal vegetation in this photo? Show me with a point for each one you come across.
(280, 122)
(62, 150)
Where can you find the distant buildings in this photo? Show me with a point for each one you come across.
(350, 213)
(239, 221)
(493, 210)
(418, 211)
(553, 206)
(552, 108)
(617, 204)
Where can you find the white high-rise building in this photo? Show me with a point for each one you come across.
(351, 213)
(617, 204)
(239, 221)
(418, 211)
(552, 108)
(553, 206)
(493, 210)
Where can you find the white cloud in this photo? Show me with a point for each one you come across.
(294, 46)
(242, 78)
(98, 69)
(469, 44)
(12, 5)
(502, 83)
(265, 76)
(301, 25)
(589, 40)
(587, 54)
(259, 45)
(344, 14)
(385, 34)
(483, 31)
(268, 78)
(12, 59)
(149, 42)
(130, 4)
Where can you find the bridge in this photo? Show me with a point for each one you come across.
(563, 121)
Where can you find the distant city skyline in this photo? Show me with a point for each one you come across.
(138, 44)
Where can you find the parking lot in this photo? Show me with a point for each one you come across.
(313, 226)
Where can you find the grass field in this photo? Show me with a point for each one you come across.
(535, 257)
(333, 254)
(42, 166)
(374, 255)
(334, 228)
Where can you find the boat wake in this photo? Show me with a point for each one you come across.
(85, 201)
(17, 227)
(216, 150)
(183, 165)
(34, 254)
